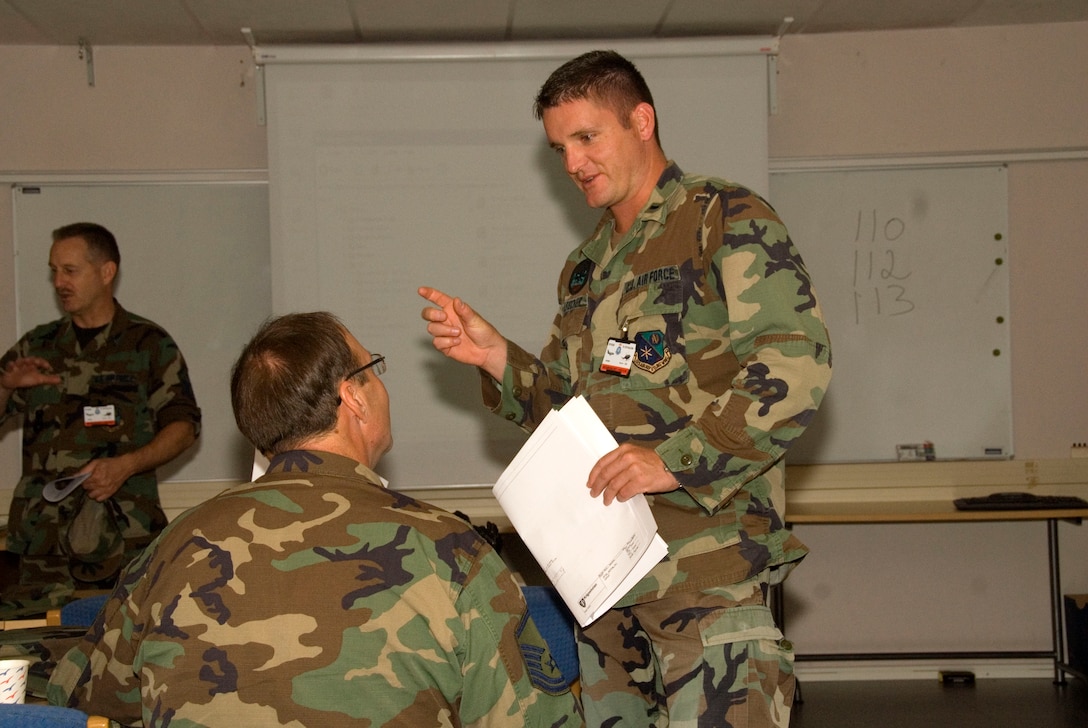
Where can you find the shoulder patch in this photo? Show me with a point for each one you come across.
(579, 276)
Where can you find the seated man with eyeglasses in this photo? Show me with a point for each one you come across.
(314, 596)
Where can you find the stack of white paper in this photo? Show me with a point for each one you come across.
(591, 552)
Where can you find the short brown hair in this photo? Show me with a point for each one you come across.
(285, 386)
(101, 244)
(602, 76)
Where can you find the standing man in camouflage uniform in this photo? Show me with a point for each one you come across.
(101, 391)
(314, 596)
(723, 359)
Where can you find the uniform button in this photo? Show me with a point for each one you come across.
(517, 392)
(686, 461)
(511, 416)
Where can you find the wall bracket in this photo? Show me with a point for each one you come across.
(262, 117)
(86, 54)
(772, 67)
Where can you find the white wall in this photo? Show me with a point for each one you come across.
(964, 91)
(961, 93)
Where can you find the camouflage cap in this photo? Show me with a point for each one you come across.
(93, 540)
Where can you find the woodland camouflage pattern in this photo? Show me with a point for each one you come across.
(134, 365)
(723, 313)
(731, 361)
(315, 597)
(725, 664)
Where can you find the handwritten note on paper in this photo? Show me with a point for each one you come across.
(592, 553)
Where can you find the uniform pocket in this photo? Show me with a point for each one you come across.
(762, 658)
(122, 392)
(739, 624)
(654, 319)
(572, 331)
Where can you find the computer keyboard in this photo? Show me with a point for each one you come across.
(1019, 502)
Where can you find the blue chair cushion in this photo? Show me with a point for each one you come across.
(82, 612)
(556, 625)
(41, 716)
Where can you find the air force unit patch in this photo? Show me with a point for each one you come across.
(651, 351)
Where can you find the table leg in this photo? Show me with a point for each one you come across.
(1056, 624)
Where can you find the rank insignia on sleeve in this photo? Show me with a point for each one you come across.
(544, 672)
(651, 351)
(579, 276)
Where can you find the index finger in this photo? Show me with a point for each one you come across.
(435, 296)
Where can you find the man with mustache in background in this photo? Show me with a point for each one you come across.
(104, 393)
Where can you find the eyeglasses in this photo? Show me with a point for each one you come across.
(376, 360)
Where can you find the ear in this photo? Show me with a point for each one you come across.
(351, 396)
(645, 120)
(108, 271)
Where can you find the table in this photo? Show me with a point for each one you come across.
(885, 492)
(942, 511)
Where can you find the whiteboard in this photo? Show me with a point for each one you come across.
(911, 268)
(386, 175)
(194, 259)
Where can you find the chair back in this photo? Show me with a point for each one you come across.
(556, 625)
(41, 716)
(82, 612)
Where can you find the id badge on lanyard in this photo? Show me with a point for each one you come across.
(619, 354)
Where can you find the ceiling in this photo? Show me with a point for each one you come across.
(278, 22)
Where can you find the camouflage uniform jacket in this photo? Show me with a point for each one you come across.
(731, 362)
(315, 597)
(132, 364)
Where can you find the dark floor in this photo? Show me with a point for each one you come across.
(989, 703)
